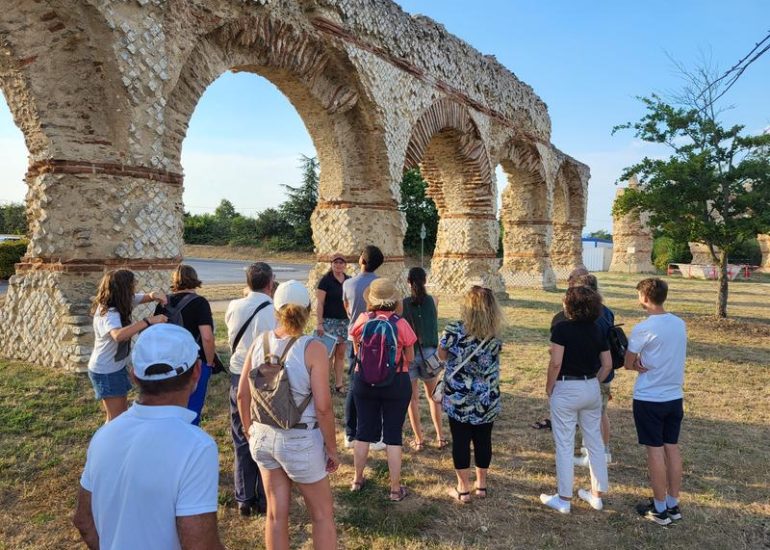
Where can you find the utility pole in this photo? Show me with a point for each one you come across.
(423, 234)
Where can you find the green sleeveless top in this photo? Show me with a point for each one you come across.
(424, 320)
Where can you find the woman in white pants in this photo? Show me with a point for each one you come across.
(580, 359)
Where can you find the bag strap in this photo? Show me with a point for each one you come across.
(471, 356)
(241, 332)
(184, 302)
(265, 345)
(286, 350)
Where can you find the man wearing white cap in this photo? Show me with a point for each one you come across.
(151, 477)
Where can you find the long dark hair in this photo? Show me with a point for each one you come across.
(116, 289)
(416, 279)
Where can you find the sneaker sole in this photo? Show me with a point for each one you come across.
(661, 522)
(675, 517)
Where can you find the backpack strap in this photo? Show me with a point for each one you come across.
(241, 332)
(265, 345)
(286, 350)
(184, 302)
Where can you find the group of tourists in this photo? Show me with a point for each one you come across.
(151, 466)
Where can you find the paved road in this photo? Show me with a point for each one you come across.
(231, 271)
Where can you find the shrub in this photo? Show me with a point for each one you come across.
(666, 250)
(11, 253)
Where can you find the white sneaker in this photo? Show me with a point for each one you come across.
(555, 502)
(379, 446)
(595, 502)
(349, 443)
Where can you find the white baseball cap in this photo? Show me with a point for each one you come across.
(291, 292)
(164, 345)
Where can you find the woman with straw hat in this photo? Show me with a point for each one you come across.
(382, 407)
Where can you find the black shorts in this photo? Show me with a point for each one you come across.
(381, 411)
(658, 423)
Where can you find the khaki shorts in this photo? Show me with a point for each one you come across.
(300, 453)
(606, 394)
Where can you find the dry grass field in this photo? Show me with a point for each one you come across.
(46, 419)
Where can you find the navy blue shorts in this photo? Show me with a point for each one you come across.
(114, 384)
(381, 411)
(658, 423)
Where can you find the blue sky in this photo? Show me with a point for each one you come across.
(587, 60)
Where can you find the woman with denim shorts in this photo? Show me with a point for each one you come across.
(421, 312)
(382, 409)
(305, 454)
(112, 307)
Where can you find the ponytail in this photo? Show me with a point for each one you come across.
(416, 279)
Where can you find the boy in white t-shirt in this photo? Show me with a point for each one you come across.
(656, 350)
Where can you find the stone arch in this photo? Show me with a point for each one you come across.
(322, 86)
(445, 142)
(569, 210)
(526, 218)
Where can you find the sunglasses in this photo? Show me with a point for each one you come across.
(339, 261)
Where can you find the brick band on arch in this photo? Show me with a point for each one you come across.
(64, 166)
(95, 265)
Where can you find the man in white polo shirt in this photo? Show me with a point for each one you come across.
(657, 349)
(151, 477)
(246, 318)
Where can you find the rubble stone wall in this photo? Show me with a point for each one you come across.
(631, 233)
(104, 90)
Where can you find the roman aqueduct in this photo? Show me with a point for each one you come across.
(103, 91)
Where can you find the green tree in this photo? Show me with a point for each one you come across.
(601, 234)
(225, 211)
(419, 209)
(300, 204)
(13, 219)
(715, 186)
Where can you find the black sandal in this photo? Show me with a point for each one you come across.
(398, 496)
(544, 424)
(480, 492)
(462, 498)
(340, 390)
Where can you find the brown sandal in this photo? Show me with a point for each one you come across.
(356, 486)
(398, 496)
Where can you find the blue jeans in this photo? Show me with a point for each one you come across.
(198, 397)
(248, 482)
(351, 419)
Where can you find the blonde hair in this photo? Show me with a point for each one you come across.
(293, 318)
(481, 313)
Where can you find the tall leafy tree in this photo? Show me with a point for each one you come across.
(301, 203)
(715, 186)
(13, 219)
(419, 209)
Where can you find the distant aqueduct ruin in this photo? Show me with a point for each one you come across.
(103, 91)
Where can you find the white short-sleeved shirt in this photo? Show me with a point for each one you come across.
(661, 342)
(144, 469)
(238, 312)
(103, 355)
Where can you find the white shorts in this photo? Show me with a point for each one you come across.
(300, 453)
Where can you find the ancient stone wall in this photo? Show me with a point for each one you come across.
(764, 246)
(103, 91)
(631, 241)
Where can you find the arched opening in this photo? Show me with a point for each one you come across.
(245, 142)
(13, 164)
(453, 161)
(526, 224)
(568, 220)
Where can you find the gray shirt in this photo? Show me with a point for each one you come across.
(353, 294)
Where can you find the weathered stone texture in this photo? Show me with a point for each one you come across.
(104, 91)
(764, 246)
(631, 231)
(701, 254)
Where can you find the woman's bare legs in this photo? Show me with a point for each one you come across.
(318, 499)
(278, 492)
(435, 409)
(114, 406)
(339, 364)
(414, 414)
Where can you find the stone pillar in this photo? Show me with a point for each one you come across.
(526, 262)
(86, 218)
(701, 255)
(764, 246)
(465, 253)
(631, 241)
(566, 248)
(347, 227)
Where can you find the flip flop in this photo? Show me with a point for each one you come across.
(462, 498)
(357, 486)
(398, 496)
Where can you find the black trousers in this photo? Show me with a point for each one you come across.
(462, 436)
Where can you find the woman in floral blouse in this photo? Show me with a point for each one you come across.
(471, 348)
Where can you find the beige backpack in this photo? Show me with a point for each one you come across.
(271, 400)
